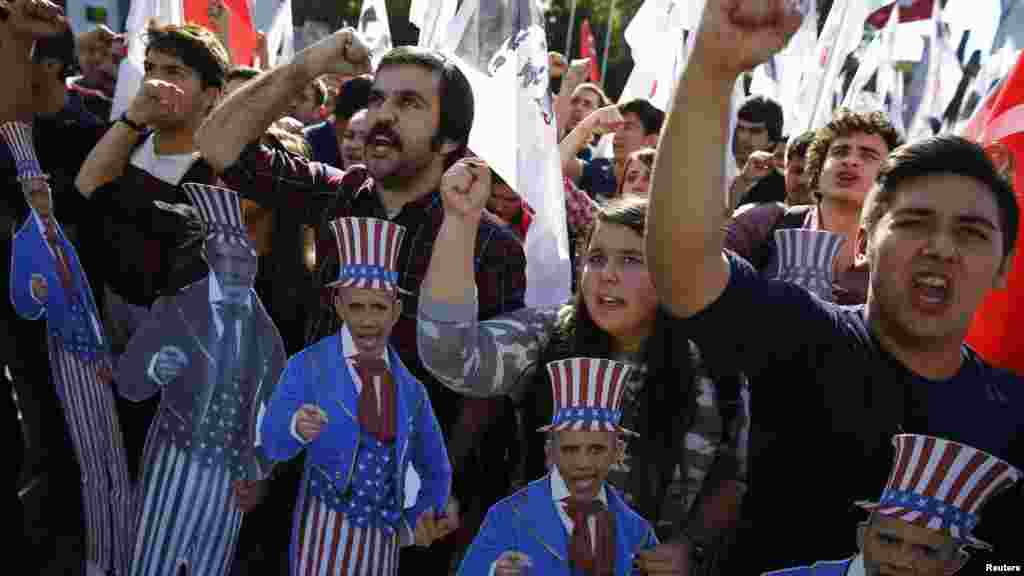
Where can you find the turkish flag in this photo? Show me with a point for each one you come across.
(910, 11)
(231, 20)
(999, 126)
(589, 50)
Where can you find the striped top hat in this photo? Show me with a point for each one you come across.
(219, 212)
(587, 394)
(368, 250)
(939, 484)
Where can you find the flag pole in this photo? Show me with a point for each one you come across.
(568, 36)
(607, 40)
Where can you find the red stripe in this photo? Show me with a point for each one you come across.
(584, 384)
(926, 452)
(556, 384)
(360, 550)
(350, 241)
(350, 540)
(378, 242)
(615, 394)
(364, 236)
(315, 551)
(950, 454)
(985, 482)
(602, 369)
(904, 451)
(338, 521)
(977, 460)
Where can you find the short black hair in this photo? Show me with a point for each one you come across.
(196, 46)
(797, 147)
(650, 117)
(353, 96)
(454, 92)
(60, 48)
(945, 154)
(762, 109)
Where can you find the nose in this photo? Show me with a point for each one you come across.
(942, 245)
(609, 273)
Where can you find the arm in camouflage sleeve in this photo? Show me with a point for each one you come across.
(476, 358)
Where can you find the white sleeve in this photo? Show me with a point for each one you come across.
(294, 431)
(151, 371)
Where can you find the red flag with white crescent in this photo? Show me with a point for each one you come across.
(588, 49)
(999, 126)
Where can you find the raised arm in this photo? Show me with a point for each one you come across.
(684, 231)
(471, 357)
(607, 118)
(22, 22)
(247, 113)
(573, 78)
(108, 159)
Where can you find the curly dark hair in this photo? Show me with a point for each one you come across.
(197, 47)
(844, 123)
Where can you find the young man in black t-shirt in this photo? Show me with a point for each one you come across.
(937, 231)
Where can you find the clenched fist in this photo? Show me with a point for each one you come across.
(737, 35)
(465, 188)
(512, 563)
(156, 100)
(343, 52)
(40, 288)
(310, 422)
(34, 18)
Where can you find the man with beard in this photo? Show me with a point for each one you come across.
(420, 113)
(937, 232)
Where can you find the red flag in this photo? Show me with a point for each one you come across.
(231, 20)
(995, 332)
(588, 49)
(910, 11)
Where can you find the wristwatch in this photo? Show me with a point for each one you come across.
(129, 123)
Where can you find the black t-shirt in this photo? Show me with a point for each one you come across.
(829, 389)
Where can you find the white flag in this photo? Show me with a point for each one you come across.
(941, 80)
(512, 48)
(375, 29)
(842, 33)
(781, 76)
(659, 44)
(431, 18)
(281, 37)
(131, 72)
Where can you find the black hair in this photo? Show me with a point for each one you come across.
(762, 109)
(245, 73)
(649, 116)
(60, 48)
(353, 96)
(196, 46)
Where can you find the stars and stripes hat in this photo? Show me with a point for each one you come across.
(220, 213)
(940, 484)
(587, 394)
(368, 250)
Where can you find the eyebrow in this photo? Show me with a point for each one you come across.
(963, 218)
(377, 93)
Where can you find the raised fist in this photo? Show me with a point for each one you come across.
(465, 188)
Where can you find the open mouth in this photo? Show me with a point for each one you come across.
(610, 302)
(931, 292)
(847, 178)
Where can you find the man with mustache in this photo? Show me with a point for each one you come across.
(419, 115)
(938, 231)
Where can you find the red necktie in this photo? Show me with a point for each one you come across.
(54, 241)
(583, 555)
(375, 375)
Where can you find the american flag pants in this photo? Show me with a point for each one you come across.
(188, 516)
(98, 444)
(329, 545)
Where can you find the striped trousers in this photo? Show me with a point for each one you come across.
(188, 515)
(329, 545)
(98, 444)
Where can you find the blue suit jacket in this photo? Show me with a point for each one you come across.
(319, 375)
(30, 254)
(528, 522)
(828, 568)
(323, 143)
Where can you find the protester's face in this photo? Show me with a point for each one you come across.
(779, 157)
(583, 102)
(196, 100)
(797, 185)
(95, 60)
(235, 267)
(630, 137)
(370, 315)
(306, 106)
(504, 202)
(583, 458)
(637, 178)
(933, 257)
(851, 166)
(895, 547)
(404, 115)
(353, 139)
(617, 287)
(749, 137)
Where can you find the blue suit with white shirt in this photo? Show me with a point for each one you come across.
(531, 522)
(322, 375)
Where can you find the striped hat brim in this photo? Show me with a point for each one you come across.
(919, 518)
(587, 426)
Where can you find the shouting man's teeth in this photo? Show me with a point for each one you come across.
(932, 281)
(611, 301)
